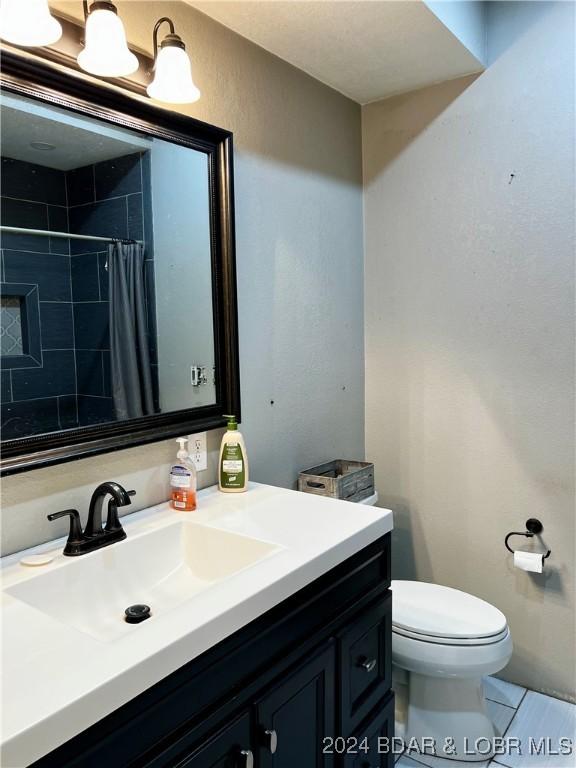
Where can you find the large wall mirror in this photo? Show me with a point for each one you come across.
(118, 303)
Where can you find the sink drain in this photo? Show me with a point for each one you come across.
(134, 614)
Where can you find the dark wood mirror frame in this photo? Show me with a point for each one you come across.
(28, 77)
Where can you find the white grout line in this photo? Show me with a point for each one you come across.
(47, 397)
(103, 200)
(36, 202)
(43, 252)
(73, 337)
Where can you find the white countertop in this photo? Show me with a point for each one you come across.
(57, 681)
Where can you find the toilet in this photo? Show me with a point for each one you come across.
(443, 642)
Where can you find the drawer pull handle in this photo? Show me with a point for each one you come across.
(271, 740)
(247, 759)
(369, 665)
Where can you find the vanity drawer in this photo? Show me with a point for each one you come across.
(365, 662)
(369, 748)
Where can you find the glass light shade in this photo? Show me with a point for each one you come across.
(173, 77)
(106, 51)
(28, 23)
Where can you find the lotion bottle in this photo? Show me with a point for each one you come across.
(183, 480)
(233, 464)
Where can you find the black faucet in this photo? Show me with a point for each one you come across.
(94, 536)
(120, 498)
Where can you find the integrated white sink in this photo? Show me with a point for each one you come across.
(162, 568)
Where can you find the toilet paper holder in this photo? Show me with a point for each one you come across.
(533, 527)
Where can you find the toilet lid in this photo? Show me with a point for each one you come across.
(430, 609)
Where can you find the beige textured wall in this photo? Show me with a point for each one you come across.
(469, 227)
(298, 178)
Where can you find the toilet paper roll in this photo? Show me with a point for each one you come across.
(528, 561)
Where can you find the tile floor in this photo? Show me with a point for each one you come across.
(523, 715)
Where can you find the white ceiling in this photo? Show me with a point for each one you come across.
(367, 50)
(77, 141)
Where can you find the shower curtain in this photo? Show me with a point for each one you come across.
(129, 352)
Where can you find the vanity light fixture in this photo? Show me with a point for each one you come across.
(28, 23)
(106, 51)
(172, 81)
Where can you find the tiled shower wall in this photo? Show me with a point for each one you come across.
(111, 199)
(42, 398)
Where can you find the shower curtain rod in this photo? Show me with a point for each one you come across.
(48, 233)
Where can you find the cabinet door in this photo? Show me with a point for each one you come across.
(365, 663)
(372, 745)
(295, 716)
(228, 748)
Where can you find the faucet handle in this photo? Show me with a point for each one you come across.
(122, 498)
(75, 536)
(126, 501)
(113, 524)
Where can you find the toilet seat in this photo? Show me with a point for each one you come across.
(450, 660)
(442, 631)
(471, 641)
(435, 614)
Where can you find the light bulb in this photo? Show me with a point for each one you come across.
(28, 23)
(173, 81)
(106, 51)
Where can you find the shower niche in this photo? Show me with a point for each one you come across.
(117, 290)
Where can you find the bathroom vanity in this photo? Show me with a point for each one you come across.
(269, 637)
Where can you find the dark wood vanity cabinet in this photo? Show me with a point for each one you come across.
(227, 748)
(365, 663)
(295, 714)
(306, 685)
(368, 747)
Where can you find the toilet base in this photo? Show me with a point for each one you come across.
(449, 713)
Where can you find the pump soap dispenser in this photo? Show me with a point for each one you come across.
(233, 464)
(183, 480)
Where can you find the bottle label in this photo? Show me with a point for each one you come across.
(232, 466)
(184, 499)
(232, 469)
(180, 477)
